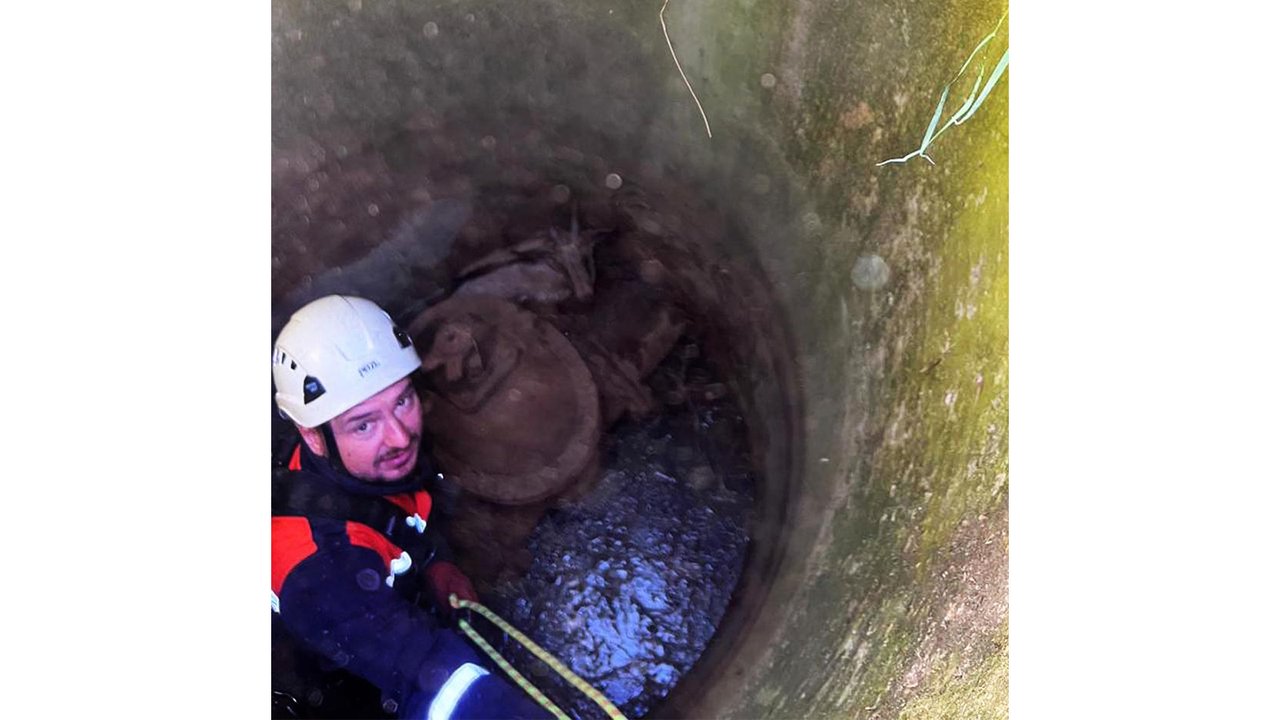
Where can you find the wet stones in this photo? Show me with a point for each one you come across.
(628, 584)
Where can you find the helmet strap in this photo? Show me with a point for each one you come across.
(331, 443)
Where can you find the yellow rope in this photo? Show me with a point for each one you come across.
(519, 679)
(546, 657)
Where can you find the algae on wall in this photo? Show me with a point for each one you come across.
(900, 300)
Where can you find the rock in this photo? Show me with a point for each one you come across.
(702, 478)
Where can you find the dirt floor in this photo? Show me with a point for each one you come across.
(629, 583)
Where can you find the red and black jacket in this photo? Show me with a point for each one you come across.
(347, 558)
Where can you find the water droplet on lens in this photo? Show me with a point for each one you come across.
(368, 579)
(870, 272)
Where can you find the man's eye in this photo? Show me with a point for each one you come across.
(363, 427)
(405, 401)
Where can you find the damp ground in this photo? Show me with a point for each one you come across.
(629, 583)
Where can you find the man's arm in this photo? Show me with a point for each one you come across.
(338, 604)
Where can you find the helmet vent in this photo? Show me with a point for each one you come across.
(311, 389)
(401, 337)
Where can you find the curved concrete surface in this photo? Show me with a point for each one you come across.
(864, 307)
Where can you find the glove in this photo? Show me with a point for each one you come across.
(445, 579)
(487, 696)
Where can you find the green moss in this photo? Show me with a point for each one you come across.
(955, 380)
(981, 693)
(938, 454)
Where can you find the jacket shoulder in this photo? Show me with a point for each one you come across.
(292, 541)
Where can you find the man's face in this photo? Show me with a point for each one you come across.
(378, 439)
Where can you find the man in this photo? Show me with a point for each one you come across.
(354, 543)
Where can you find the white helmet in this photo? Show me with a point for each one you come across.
(335, 353)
